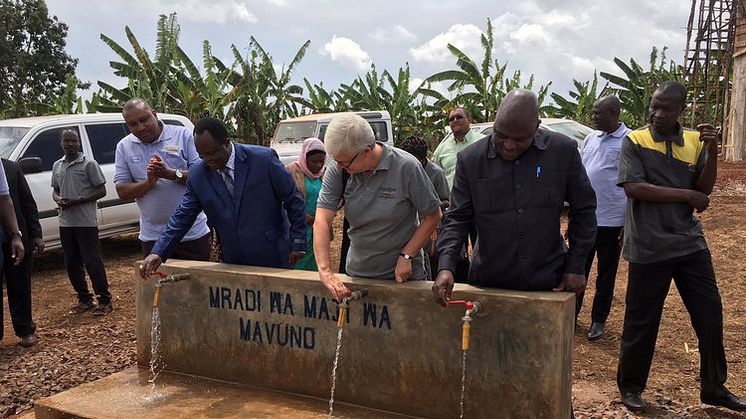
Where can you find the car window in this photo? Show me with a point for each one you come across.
(380, 131)
(169, 122)
(46, 145)
(104, 139)
(9, 139)
(294, 131)
(572, 129)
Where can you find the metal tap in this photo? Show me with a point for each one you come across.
(165, 279)
(345, 305)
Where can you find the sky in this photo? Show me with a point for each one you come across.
(556, 40)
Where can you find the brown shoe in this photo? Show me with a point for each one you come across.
(82, 307)
(29, 341)
(103, 309)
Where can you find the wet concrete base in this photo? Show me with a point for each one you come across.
(128, 394)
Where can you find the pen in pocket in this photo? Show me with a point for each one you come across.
(538, 171)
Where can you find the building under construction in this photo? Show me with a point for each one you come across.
(714, 70)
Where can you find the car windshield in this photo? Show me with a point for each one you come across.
(572, 129)
(291, 132)
(9, 139)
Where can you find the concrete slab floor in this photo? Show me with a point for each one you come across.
(128, 394)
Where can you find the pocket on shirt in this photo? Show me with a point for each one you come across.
(173, 160)
(493, 195)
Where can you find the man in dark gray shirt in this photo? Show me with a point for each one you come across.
(513, 186)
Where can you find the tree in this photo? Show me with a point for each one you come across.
(579, 107)
(33, 63)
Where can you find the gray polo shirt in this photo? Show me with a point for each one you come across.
(175, 146)
(75, 179)
(438, 178)
(658, 231)
(382, 209)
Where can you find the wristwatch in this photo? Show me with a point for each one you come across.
(406, 256)
(179, 174)
(17, 233)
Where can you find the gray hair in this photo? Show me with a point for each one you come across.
(348, 133)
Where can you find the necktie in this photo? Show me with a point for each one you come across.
(228, 178)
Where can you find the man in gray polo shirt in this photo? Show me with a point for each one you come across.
(77, 183)
(386, 190)
(152, 167)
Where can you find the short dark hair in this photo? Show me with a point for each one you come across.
(415, 146)
(673, 88)
(69, 129)
(466, 111)
(214, 126)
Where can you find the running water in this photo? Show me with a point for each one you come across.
(155, 340)
(463, 384)
(334, 372)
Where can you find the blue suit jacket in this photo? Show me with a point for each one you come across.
(264, 221)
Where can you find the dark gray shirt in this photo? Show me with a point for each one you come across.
(516, 207)
(382, 209)
(438, 177)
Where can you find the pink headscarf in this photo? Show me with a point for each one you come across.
(310, 144)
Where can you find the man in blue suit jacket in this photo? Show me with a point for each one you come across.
(249, 198)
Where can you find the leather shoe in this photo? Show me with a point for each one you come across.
(597, 330)
(633, 401)
(727, 400)
(29, 340)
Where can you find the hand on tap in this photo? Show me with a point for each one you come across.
(443, 287)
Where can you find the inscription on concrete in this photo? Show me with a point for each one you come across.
(401, 353)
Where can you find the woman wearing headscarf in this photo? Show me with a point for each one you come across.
(307, 172)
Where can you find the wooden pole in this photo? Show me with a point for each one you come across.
(734, 142)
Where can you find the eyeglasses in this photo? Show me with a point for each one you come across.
(349, 163)
(456, 117)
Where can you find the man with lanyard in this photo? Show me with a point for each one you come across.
(600, 154)
(152, 167)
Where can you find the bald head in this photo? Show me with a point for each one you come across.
(141, 120)
(136, 103)
(606, 113)
(516, 123)
(519, 105)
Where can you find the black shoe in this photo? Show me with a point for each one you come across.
(727, 400)
(103, 309)
(82, 307)
(633, 401)
(597, 330)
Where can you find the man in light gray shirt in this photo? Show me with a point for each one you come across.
(600, 155)
(77, 183)
(386, 190)
(152, 167)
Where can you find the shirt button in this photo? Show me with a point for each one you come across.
(523, 258)
(517, 162)
(520, 210)
(518, 186)
(521, 236)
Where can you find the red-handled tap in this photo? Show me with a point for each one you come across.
(468, 304)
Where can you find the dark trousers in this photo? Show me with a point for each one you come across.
(18, 283)
(345, 247)
(607, 248)
(82, 251)
(198, 249)
(646, 292)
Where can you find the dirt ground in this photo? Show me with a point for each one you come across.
(78, 349)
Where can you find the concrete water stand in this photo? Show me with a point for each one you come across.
(241, 341)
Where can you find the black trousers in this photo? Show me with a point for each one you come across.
(646, 292)
(82, 251)
(198, 249)
(607, 248)
(18, 284)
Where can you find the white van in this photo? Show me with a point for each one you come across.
(290, 133)
(35, 144)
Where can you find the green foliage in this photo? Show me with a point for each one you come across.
(579, 106)
(635, 88)
(34, 66)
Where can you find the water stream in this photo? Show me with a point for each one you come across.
(463, 385)
(334, 372)
(155, 340)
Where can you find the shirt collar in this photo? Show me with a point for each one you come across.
(78, 159)
(386, 156)
(540, 142)
(232, 159)
(678, 138)
(620, 132)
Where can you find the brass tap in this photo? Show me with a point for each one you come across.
(345, 305)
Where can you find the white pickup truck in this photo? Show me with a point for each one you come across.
(290, 133)
(35, 144)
